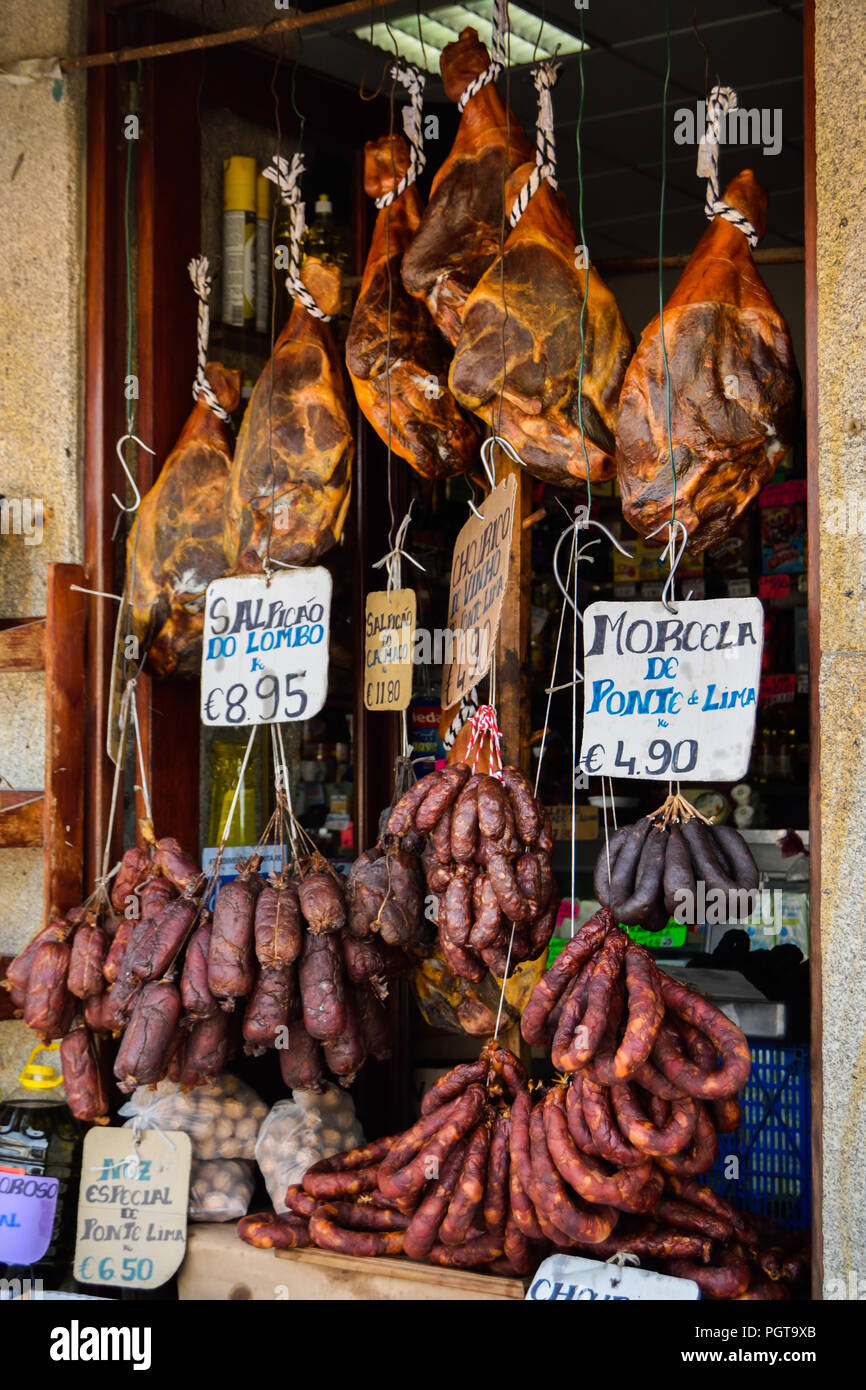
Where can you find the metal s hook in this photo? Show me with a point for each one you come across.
(671, 553)
(579, 553)
(125, 466)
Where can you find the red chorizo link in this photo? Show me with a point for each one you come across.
(351, 1160)
(492, 804)
(18, 970)
(576, 1118)
(728, 1280)
(266, 1231)
(89, 946)
(440, 797)
(495, 1204)
(510, 1069)
(574, 1007)
(700, 1155)
(504, 884)
(455, 911)
(645, 1012)
(480, 1251)
(453, 1084)
(362, 1216)
(402, 818)
(463, 963)
(49, 1008)
(516, 1248)
(521, 1209)
(329, 1235)
(299, 1202)
(175, 864)
(84, 1077)
(528, 876)
(117, 949)
(655, 1245)
(670, 1138)
(588, 1033)
(551, 986)
(695, 1220)
(726, 1115)
(134, 869)
(551, 1197)
(422, 1229)
(464, 824)
(608, 1140)
(440, 840)
(728, 1040)
(486, 914)
(527, 816)
(584, 1174)
(410, 1178)
(469, 1192)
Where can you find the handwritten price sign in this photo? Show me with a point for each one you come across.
(265, 648)
(670, 696)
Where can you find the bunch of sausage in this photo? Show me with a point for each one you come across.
(649, 871)
(487, 858)
(491, 1177)
(158, 970)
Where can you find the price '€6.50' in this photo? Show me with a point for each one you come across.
(671, 695)
(265, 648)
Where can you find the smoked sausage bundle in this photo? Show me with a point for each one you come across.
(487, 859)
(693, 871)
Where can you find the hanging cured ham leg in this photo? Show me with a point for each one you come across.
(528, 390)
(403, 377)
(734, 388)
(461, 230)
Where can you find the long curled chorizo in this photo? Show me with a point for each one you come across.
(552, 1199)
(569, 962)
(729, 1041)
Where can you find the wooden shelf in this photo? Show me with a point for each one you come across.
(22, 646)
(21, 827)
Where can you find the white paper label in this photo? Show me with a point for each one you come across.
(264, 656)
(573, 1279)
(669, 697)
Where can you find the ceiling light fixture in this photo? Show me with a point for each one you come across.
(421, 39)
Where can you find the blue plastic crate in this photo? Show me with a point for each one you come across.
(772, 1144)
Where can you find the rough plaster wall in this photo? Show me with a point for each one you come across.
(841, 179)
(41, 379)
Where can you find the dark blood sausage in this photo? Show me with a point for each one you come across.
(267, 1010)
(117, 949)
(423, 1228)
(695, 1220)
(365, 890)
(400, 915)
(546, 994)
(406, 1180)
(729, 1041)
(527, 817)
(728, 1280)
(440, 796)
(587, 1035)
(211, 1044)
(195, 995)
(607, 1138)
(645, 1012)
(321, 901)
(680, 889)
(373, 1020)
(119, 1000)
(367, 959)
(440, 839)
(453, 1084)
(277, 924)
(469, 1193)
(175, 864)
(18, 970)
(48, 1006)
(584, 1174)
(479, 1251)
(89, 946)
(552, 1199)
(670, 1138)
(167, 938)
(150, 1030)
(464, 824)
(623, 873)
(345, 1055)
(231, 959)
(705, 858)
(267, 1231)
(328, 1235)
(301, 1063)
(605, 860)
(504, 884)
(134, 869)
(84, 1077)
(322, 985)
(486, 914)
(700, 1155)
(495, 1203)
(647, 892)
(739, 856)
(402, 818)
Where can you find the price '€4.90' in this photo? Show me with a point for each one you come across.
(671, 695)
(265, 648)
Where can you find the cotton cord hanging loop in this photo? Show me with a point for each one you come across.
(287, 177)
(397, 553)
(497, 62)
(544, 76)
(413, 80)
(199, 274)
(721, 101)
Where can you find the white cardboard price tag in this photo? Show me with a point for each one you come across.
(670, 696)
(132, 1207)
(574, 1279)
(264, 657)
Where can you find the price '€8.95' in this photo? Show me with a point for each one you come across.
(265, 648)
